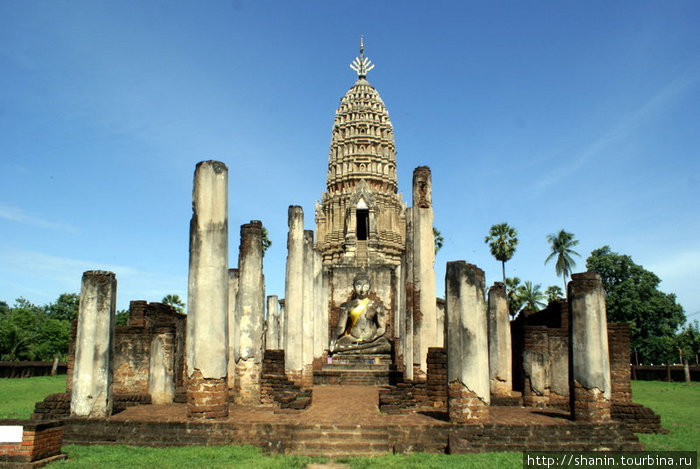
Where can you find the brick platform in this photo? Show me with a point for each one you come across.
(342, 414)
(37, 443)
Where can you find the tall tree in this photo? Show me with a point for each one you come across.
(562, 244)
(515, 302)
(553, 293)
(175, 302)
(502, 240)
(65, 307)
(439, 240)
(632, 296)
(531, 296)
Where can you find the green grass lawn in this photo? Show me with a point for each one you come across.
(18, 395)
(677, 403)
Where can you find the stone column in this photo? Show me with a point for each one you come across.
(273, 323)
(467, 344)
(307, 314)
(558, 340)
(590, 361)
(293, 292)
(425, 307)
(233, 328)
(161, 383)
(250, 312)
(320, 309)
(283, 326)
(535, 366)
(207, 299)
(94, 346)
(407, 335)
(500, 359)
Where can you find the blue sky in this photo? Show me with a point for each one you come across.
(546, 115)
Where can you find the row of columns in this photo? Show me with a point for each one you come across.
(472, 375)
(305, 318)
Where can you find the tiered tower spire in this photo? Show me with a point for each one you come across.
(361, 202)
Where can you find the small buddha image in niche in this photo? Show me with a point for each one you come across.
(361, 323)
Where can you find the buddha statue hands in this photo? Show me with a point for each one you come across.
(361, 323)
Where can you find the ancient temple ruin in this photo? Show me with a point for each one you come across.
(360, 308)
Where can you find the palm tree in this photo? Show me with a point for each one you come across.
(502, 240)
(175, 302)
(553, 293)
(531, 296)
(561, 244)
(515, 302)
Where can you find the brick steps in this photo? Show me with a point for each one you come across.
(339, 441)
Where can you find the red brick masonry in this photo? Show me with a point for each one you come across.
(41, 440)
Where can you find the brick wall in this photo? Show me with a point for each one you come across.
(40, 440)
(436, 382)
(619, 350)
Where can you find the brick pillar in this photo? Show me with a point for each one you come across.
(294, 291)
(94, 346)
(436, 383)
(207, 297)
(250, 312)
(535, 366)
(467, 344)
(619, 345)
(500, 358)
(589, 349)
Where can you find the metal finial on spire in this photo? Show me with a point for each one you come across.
(362, 65)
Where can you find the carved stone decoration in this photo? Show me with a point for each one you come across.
(361, 178)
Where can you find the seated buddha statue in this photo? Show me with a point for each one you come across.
(361, 323)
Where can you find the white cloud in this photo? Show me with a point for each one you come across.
(624, 129)
(30, 272)
(16, 214)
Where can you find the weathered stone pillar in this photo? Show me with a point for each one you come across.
(94, 346)
(294, 291)
(558, 340)
(307, 347)
(250, 311)
(407, 335)
(320, 309)
(233, 329)
(467, 343)
(535, 366)
(283, 326)
(207, 299)
(273, 323)
(590, 361)
(161, 383)
(425, 307)
(500, 358)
